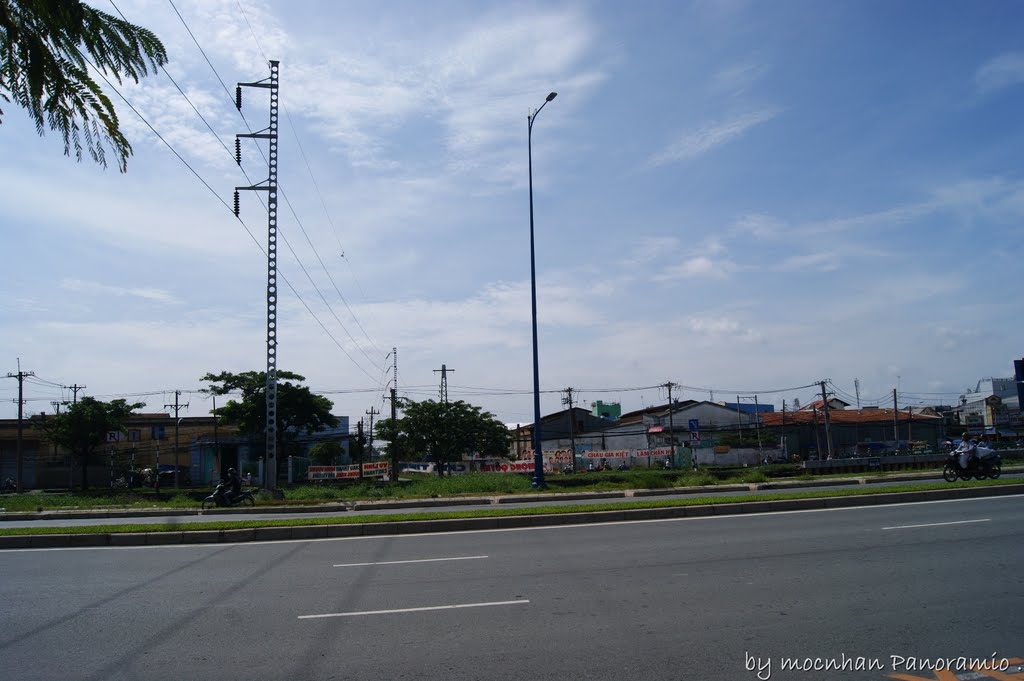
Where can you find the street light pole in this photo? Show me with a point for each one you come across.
(538, 456)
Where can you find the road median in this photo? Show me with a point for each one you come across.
(460, 521)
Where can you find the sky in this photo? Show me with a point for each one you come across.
(741, 198)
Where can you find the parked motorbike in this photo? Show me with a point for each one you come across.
(220, 498)
(983, 463)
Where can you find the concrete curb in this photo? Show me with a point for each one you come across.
(340, 507)
(310, 532)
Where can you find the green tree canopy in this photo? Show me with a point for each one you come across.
(326, 453)
(84, 426)
(447, 431)
(47, 48)
(298, 409)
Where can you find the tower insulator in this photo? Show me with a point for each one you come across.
(236, 203)
(238, 97)
(238, 151)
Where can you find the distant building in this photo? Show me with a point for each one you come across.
(854, 432)
(993, 408)
(606, 411)
(203, 450)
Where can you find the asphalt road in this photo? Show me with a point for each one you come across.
(699, 598)
(257, 515)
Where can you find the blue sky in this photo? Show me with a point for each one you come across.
(738, 196)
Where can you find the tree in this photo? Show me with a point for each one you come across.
(298, 409)
(84, 426)
(45, 69)
(326, 453)
(447, 431)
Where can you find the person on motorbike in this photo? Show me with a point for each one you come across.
(234, 485)
(965, 450)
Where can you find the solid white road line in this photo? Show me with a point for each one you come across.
(955, 522)
(402, 610)
(403, 562)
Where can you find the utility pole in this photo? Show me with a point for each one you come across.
(444, 381)
(56, 410)
(270, 186)
(856, 389)
(671, 426)
(817, 433)
(75, 388)
(444, 404)
(359, 445)
(394, 418)
(572, 424)
(828, 430)
(785, 449)
(216, 439)
(21, 376)
(895, 421)
(371, 413)
(757, 424)
(177, 407)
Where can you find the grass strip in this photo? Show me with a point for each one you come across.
(349, 519)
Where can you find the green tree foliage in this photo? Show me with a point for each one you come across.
(447, 431)
(47, 48)
(298, 410)
(326, 453)
(84, 426)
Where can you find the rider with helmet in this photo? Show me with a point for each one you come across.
(234, 485)
(965, 450)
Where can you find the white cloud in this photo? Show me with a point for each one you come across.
(1001, 72)
(759, 225)
(692, 144)
(697, 267)
(97, 289)
(737, 78)
(721, 328)
(954, 338)
(646, 249)
(824, 261)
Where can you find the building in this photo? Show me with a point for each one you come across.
(200, 447)
(993, 408)
(853, 432)
(556, 431)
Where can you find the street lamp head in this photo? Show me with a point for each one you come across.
(551, 96)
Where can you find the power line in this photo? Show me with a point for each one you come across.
(229, 208)
(287, 201)
(316, 187)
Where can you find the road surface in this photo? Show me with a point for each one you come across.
(715, 598)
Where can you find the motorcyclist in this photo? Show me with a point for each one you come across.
(965, 450)
(234, 485)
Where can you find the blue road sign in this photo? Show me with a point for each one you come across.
(694, 424)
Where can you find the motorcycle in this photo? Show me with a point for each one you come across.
(220, 498)
(983, 463)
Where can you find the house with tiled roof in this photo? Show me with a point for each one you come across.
(853, 432)
(833, 403)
